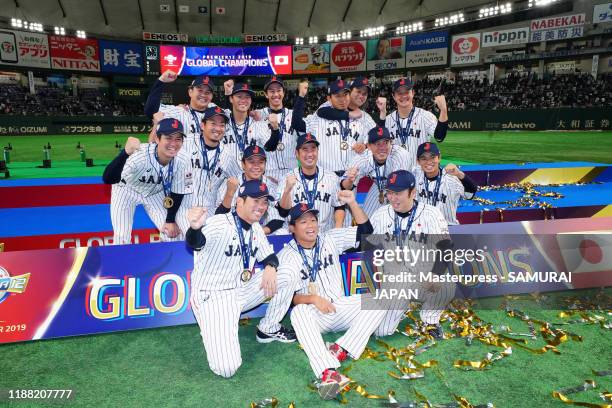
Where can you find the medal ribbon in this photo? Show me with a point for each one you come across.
(166, 181)
(241, 139)
(310, 194)
(434, 200)
(316, 262)
(244, 248)
(401, 234)
(403, 132)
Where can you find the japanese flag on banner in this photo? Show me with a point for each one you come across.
(588, 256)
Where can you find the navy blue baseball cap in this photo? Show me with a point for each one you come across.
(169, 126)
(306, 138)
(400, 180)
(215, 111)
(242, 87)
(428, 147)
(378, 133)
(337, 86)
(254, 189)
(274, 80)
(253, 150)
(300, 209)
(203, 81)
(360, 82)
(402, 83)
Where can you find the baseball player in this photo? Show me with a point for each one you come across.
(225, 282)
(320, 303)
(211, 164)
(153, 175)
(312, 184)
(201, 91)
(377, 162)
(340, 140)
(442, 188)
(410, 126)
(410, 223)
(242, 130)
(360, 89)
(254, 166)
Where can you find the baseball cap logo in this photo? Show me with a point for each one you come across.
(274, 78)
(245, 87)
(205, 81)
(380, 131)
(308, 137)
(365, 81)
(256, 149)
(175, 124)
(427, 147)
(393, 178)
(304, 207)
(263, 187)
(402, 81)
(217, 110)
(340, 83)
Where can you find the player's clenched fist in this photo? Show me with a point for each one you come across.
(290, 182)
(453, 170)
(346, 196)
(303, 88)
(273, 120)
(168, 76)
(359, 148)
(232, 185)
(196, 217)
(171, 230)
(131, 145)
(268, 281)
(351, 174)
(440, 101)
(157, 117)
(381, 104)
(228, 86)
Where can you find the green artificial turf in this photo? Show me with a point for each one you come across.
(167, 367)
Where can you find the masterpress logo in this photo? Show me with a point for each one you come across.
(12, 284)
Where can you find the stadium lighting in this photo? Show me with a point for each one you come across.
(494, 11)
(409, 28)
(59, 31)
(81, 34)
(35, 27)
(452, 19)
(339, 36)
(372, 31)
(540, 3)
(299, 41)
(313, 40)
(16, 23)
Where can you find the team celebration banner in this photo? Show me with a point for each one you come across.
(427, 49)
(311, 59)
(226, 60)
(24, 49)
(386, 53)
(78, 291)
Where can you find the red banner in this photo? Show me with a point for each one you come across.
(79, 54)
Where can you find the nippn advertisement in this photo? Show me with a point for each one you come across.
(226, 60)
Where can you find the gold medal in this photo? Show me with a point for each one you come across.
(280, 147)
(381, 197)
(312, 288)
(246, 275)
(168, 202)
(344, 145)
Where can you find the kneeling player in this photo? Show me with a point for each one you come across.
(321, 305)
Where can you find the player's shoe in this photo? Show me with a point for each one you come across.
(332, 382)
(436, 331)
(284, 335)
(337, 351)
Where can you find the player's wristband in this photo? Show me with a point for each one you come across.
(271, 260)
(440, 132)
(469, 185)
(195, 239)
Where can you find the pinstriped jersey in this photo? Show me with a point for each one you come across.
(365, 120)
(205, 184)
(398, 159)
(421, 129)
(218, 265)
(257, 132)
(186, 116)
(144, 174)
(283, 158)
(449, 193)
(427, 220)
(328, 186)
(332, 156)
(329, 277)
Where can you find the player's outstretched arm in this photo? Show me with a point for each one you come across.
(112, 172)
(299, 106)
(194, 237)
(285, 201)
(154, 98)
(442, 126)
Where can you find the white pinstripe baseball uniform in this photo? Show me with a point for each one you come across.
(257, 132)
(308, 322)
(398, 159)
(443, 192)
(142, 183)
(427, 221)
(366, 122)
(190, 118)
(336, 152)
(219, 296)
(325, 199)
(420, 130)
(205, 183)
(282, 160)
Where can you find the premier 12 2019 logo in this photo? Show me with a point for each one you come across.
(12, 284)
